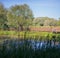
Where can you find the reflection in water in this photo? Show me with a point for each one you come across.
(33, 43)
(29, 49)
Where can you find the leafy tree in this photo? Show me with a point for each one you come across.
(19, 15)
(58, 22)
(39, 21)
(45, 21)
(50, 22)
(3, 18)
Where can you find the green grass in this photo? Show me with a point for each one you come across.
(31, 33)
(28, 34)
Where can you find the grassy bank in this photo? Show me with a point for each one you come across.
(29, 34)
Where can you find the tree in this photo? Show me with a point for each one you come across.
(18, 15)
(3, 18)
(45, 21)
(39, 21)
(50, 22)
(58, 22)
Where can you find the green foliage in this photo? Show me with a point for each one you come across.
(44, 21)
(3, 18)
(31, 34)
(19, 15)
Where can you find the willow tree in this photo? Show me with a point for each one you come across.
(19, 16)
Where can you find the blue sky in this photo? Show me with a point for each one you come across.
(40, 8)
